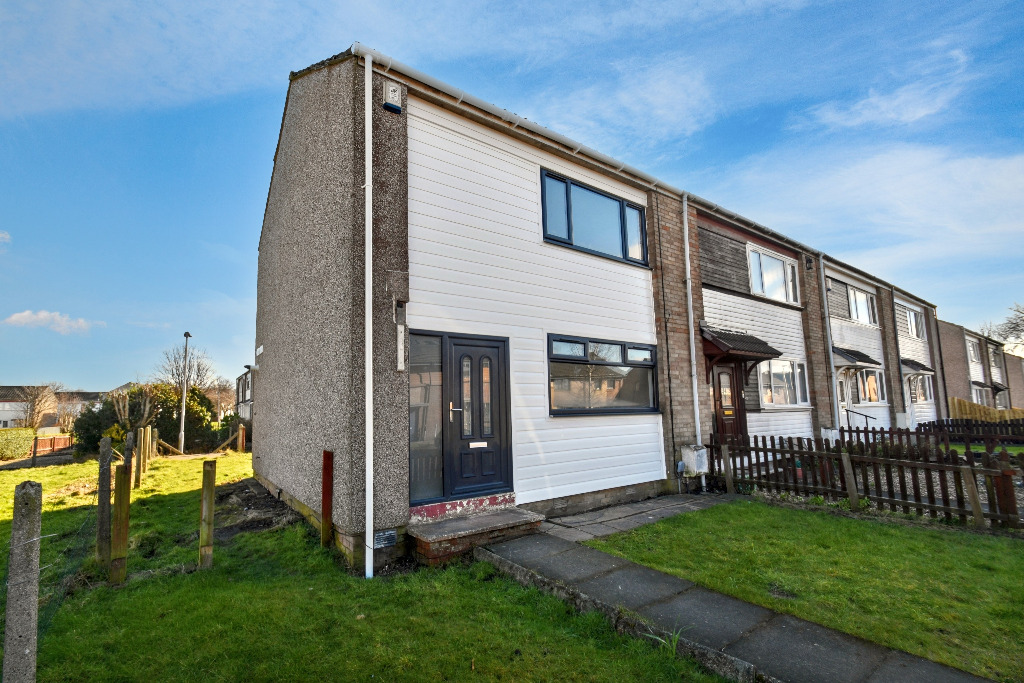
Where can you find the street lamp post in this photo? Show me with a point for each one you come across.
(184, 393)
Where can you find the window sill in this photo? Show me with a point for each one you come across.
(599, 254)
(598, 413)
(786, 409)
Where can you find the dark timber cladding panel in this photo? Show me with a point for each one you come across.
(838, 299)
(723, 262)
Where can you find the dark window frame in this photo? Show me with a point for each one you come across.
(568, 242)
(559, 358)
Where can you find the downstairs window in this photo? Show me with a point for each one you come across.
(596, 376)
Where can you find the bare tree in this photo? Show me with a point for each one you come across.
(221, 393)
(172, 369)
(990, 329)
(68, 406)
(36, 404)
(1012, 329)
(134, 406)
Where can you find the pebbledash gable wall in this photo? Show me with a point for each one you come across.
(309, 322)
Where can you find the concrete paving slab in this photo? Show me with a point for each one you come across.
(633, 587)
(630, 523)
(575, 565)
(706, 617)
(906, 668)
(798, 651)
(527, 548)
(570, 533)
(598, 530)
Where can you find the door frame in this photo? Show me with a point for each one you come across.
(739, 382)
(505, 393)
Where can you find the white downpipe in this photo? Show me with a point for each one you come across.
(368, 301)
(689, 317)
(832, 391)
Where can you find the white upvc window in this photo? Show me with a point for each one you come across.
(772, 275)
(973, 351)
(980, 396)
(862, 307)
(915, 321)
(783, 383)
(922, 389)
(870, 386)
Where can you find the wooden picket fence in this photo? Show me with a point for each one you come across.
(910, 476)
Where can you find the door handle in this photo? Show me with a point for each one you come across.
(452, 410)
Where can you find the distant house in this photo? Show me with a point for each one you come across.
(243, 395)
(1015, 378)
(13, 404)
(974, 366)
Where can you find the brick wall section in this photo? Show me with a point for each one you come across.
(941, 402)
(1015, 379)
(816, 343)
(891, 352)
(957, 374)
(675, 389)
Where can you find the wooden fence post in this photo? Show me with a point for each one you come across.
(22, 618)
(103, 506)
(326, 500)
(206, 514)
(35, 448)
(730, 487)
(148, 450)
(241, 438)
(139, 445)
(119, 533)
(1004, 490)
(971, 488)
(156, 442)
(851, 483)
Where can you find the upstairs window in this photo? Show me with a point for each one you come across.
(862, 307)
(973, 351)
(591, 376)
(993, 359)
(773, 276)
(583, 218)
(783, 383)
(915, 322)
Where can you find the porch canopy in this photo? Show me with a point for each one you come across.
(913, 367)
(730, 346)
(853, 358)
(997, 387)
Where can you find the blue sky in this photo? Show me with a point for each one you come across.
(137, 141)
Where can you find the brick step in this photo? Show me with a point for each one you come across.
(441, 541)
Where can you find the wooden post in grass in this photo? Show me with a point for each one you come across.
(327, 500)
(22, 617)
(148, 452)
(730, 487)
(119, 533)
(103, 506)
(140, 443)
(851, 483)
(206, 514)
(241, 438)
(971, 487)
(156, 442)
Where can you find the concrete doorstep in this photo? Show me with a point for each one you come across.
(730, 637)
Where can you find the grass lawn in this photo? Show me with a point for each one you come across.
(278, 607)
(951, 596)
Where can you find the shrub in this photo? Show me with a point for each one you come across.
(16, 443)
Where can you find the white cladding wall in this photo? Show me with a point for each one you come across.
(921, 412)
(478, 264)
(782, 328)
(867, 339)
(911, 347)
(977, 369)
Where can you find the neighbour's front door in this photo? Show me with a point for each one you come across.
(459, 424)
(728, 401)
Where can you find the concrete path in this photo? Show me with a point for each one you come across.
(731, 637)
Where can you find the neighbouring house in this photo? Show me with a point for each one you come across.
(1015, 378)
(764, 370)
(14, 401)
(517, 354)
(973, 366)
(884, 351)
(243, 395)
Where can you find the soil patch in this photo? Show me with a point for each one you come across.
(246, 506)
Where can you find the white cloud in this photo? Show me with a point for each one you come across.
(637, 106)
(66, 54)
(5, 238)
(58, 322)
(944, 225)
(939, 80)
